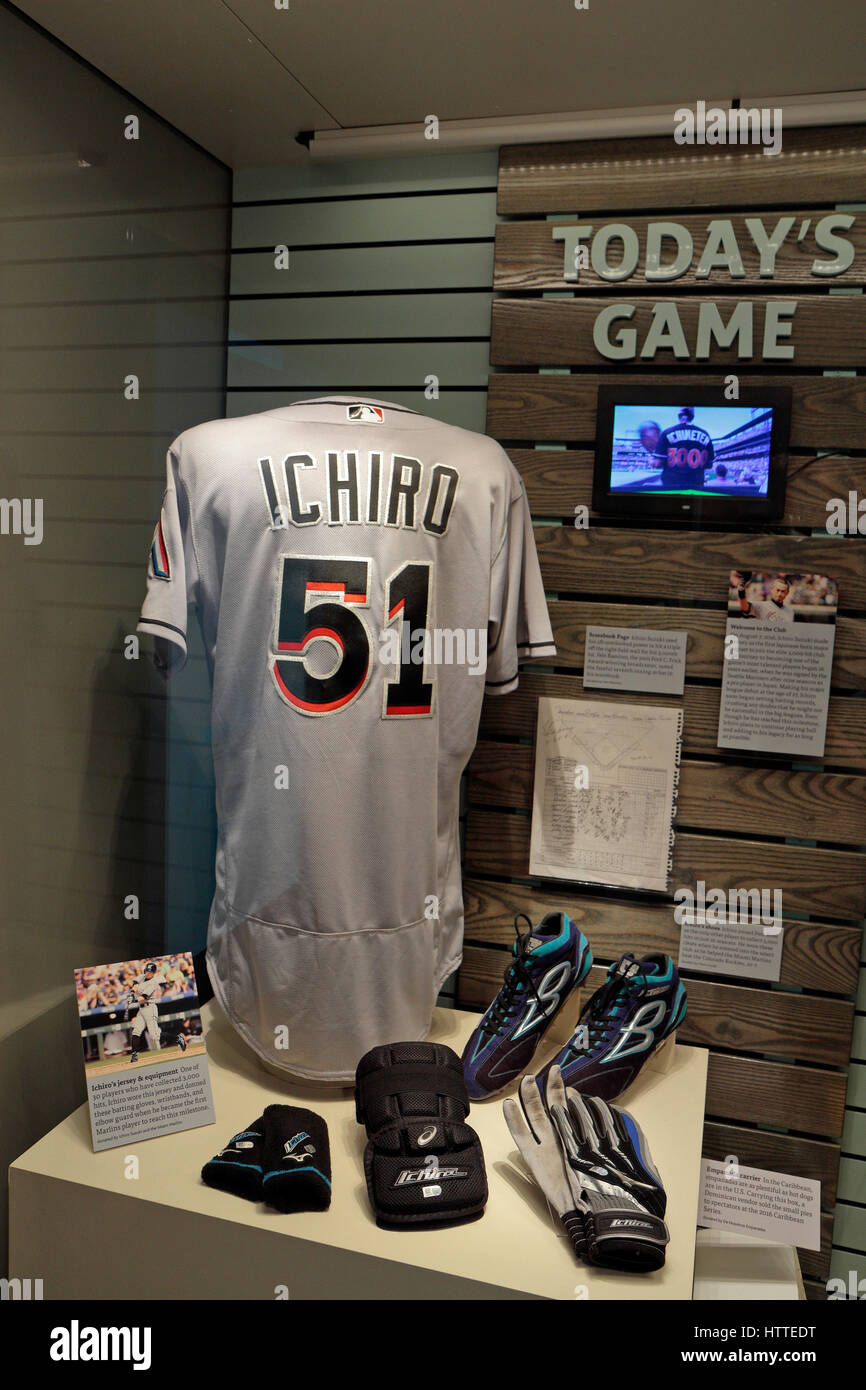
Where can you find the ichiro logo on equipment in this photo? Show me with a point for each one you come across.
(431, 1172)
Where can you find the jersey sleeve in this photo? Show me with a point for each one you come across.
(172, 571)
(518, 621)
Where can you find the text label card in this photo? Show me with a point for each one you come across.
(145, 1058)
(756, 1202)
(776, 689)
(635, 658)
(749, 950)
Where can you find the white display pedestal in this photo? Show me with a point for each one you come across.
(90, 1232)
(733, 1266)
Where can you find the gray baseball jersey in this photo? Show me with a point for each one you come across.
(355, 566)
(147, 985)
(144, 987)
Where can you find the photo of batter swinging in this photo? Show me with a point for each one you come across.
(138, 1012)
(144, 993)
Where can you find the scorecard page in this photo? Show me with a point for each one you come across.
(605, 791)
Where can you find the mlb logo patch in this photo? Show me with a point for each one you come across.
(367, 414)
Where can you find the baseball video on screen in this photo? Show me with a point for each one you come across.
(674, 453)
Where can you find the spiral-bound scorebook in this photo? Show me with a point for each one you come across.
(606, 779)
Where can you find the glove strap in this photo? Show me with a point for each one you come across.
(574, 1224)
(626, 1239)
(407, 1081)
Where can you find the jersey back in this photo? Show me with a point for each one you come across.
(684, 451)
(362, 573)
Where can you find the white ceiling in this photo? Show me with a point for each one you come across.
(242, 77)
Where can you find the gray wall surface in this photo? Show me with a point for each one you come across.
(113, 265)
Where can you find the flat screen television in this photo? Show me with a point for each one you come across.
(685, 451)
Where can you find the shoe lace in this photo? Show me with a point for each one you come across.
(516, 975)
(596, 1017)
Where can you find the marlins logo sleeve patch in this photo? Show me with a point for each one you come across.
(361, 574)
(160, 566)
(172, 573)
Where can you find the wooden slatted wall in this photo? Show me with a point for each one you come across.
(777, 1078)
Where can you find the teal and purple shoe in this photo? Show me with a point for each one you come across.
(636, 1010)
(549, 962)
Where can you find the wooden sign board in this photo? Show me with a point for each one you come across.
(778, 1052)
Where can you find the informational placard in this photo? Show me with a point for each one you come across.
(635, 658)
(778, 659)
(145, 1060)
(757, 1202)
(748, 950)
(606, 778)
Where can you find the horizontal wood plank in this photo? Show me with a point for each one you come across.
(630, 563)
(827, 412)
(712, 796)
(815, 1264)
(798, 1027)
(816, 955)
(827, 164)
(815, 1290)
(706, 633)
(825, 331)
(515, 714)
(558, 481)
(780, 1153)
(823, 881)
(801, 1098)
(527, 257)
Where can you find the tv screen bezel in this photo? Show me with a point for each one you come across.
(674, 505)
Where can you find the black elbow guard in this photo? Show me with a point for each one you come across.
(423, 1164)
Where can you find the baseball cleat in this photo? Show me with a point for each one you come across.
(635, 1011)
(181, 1042)
(550, 960)
(134, 1057)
